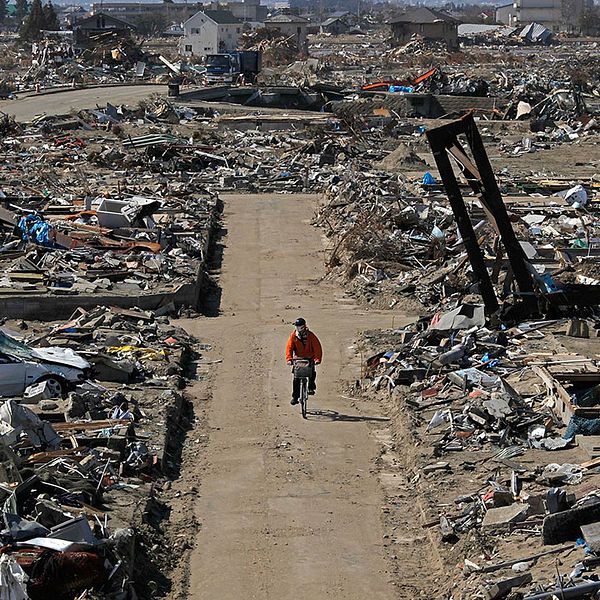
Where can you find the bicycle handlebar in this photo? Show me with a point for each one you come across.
(298, 360)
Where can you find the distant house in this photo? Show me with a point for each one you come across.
(245, 10)
(173, 30)
(102, 22)
(69, 15)
(288, 26)
(86, 30)
(506, 14)
(431, 24)
(335, 26)
(349, 17)
(210, 32)
(343, 14)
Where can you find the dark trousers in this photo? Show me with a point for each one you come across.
(312, 385)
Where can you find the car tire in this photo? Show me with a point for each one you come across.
(57, 386)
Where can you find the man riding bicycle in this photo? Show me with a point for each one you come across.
(303, 343)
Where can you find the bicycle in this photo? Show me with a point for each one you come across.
(302, 370)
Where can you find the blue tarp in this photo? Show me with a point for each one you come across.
(401, 89)
(35, 229)
(549, 283)
(428, 179)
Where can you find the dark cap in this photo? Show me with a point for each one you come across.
(299, 322)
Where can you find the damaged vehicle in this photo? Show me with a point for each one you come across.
(22, 366)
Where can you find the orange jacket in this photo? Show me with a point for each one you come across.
(297, 349)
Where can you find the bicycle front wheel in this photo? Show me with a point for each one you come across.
(304, 396)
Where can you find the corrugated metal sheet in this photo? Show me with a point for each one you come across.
(155, 139)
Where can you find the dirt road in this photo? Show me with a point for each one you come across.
(62, 102)
(288, 508)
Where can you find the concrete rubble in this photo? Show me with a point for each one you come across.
(116, 235)
(505, 422)
(499, 378)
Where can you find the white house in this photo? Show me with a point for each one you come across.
(210, 32)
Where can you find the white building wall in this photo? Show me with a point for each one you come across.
(229, 36)
(506, 14)
(243, 10)
(555, 14)
(200, 36)
(545, 4)
(545, 16)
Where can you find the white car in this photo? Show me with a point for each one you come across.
(22, 366)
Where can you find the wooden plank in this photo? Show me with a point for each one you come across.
(591, 534)
(590, 464)
(26, 276)
(578, 377)
(562, 400)
(134, 314)
(42, 457)
(86, 425)
(7, 217)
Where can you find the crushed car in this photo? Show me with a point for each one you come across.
(22, 366)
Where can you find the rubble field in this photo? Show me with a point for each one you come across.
(485, 231)
(87, 469)
(458, 187)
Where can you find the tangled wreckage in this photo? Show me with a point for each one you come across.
(534, 293)
(505, 372)
(466, 222)
(81, 431)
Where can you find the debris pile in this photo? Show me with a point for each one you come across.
(276, 49)
(492, 398)
(67, 60)
(89, 431)
(115, 233)
(506, 419)
(106, 221)
(398, 237)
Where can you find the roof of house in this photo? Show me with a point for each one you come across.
(332, 20)
(222, 17)
(422, 14)
(536, 32)
(282, 18)
(341, 13)
(505, 5)
(91, 20)
(477, 28)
